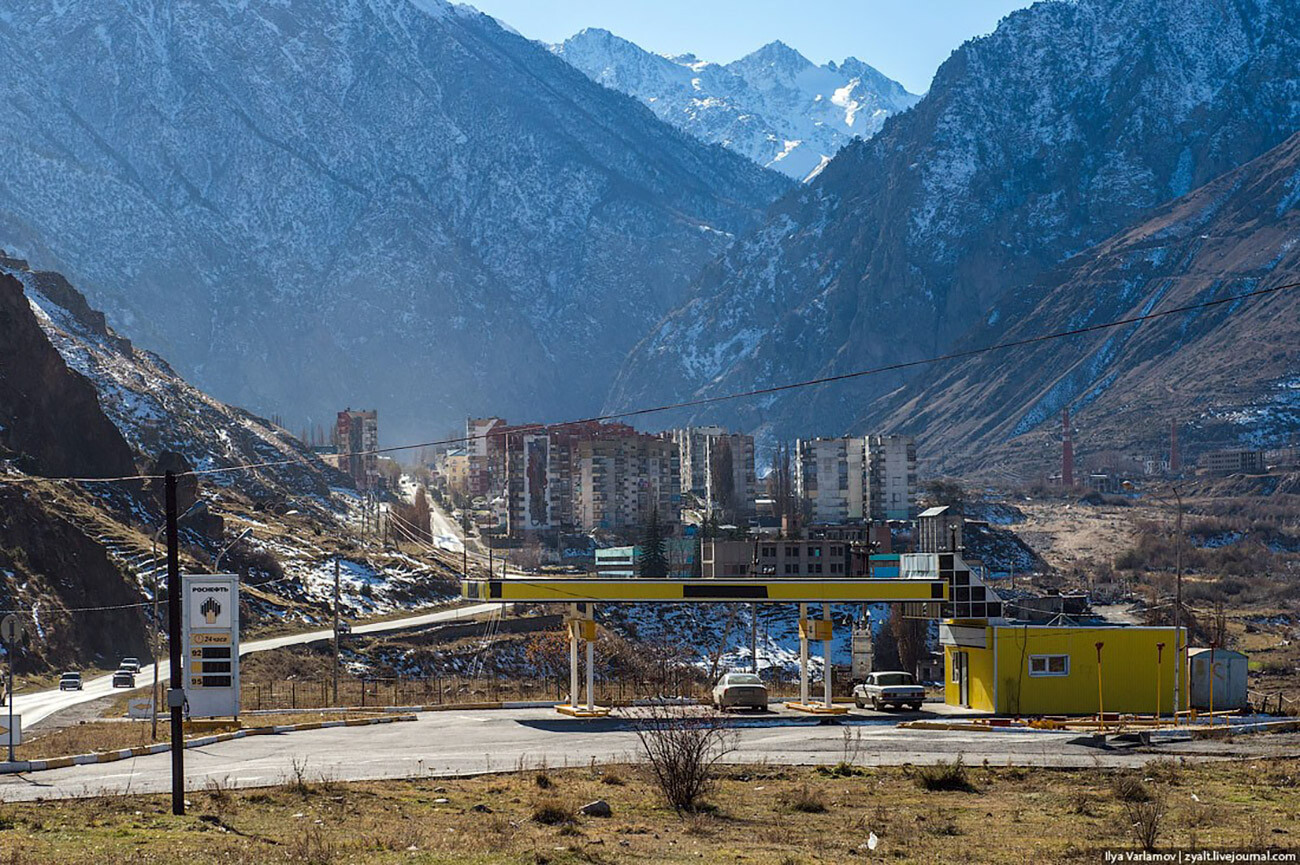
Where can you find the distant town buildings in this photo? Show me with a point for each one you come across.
(544, 481)
(856, 478)
(549, 480)
(357, 436)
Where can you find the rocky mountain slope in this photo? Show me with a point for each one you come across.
(1069, 122)
(80, 558)
(1229, 375)
(773, 105)
(315, 203)
(152, 409)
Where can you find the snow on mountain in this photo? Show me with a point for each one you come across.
(1228, 375)
(306, 204)
(153, 408)
(774, 105)
(1069, 122)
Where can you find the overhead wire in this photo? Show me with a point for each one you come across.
(709, 400)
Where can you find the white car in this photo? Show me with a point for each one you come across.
(893, 688)
(132, 664)
(740, 690)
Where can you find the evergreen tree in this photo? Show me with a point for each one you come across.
(654, 556)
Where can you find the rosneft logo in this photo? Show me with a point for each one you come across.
(210, 610)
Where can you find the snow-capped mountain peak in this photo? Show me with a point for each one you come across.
(773, 105)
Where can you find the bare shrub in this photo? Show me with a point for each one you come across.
(804, 800)
(297, 780)
(311, 847)
(553, 812)
(682, 746)
(945, 776)
(1144, 819)
(1129, 789)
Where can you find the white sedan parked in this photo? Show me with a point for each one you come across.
(740, 690)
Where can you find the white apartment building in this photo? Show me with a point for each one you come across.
(890, 464)
(856, 478)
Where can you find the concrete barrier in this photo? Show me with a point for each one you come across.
(19, 766)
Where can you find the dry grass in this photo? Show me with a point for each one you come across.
(1019, 815)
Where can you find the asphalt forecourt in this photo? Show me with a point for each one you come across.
(474, 742)
(113, 756)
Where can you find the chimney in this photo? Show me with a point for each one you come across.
(1067, 450)
(1175, 463)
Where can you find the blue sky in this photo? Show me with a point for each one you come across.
(905, 39)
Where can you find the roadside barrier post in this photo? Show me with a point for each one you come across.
(1160, 654)
(1101, 710)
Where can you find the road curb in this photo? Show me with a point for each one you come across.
(21, 766)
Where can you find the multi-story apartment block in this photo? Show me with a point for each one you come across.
(357, 435)
(890, 465)
(619, 480)
(573, 477)
(718, 468)
(828, 479)
(479, 433)
(856, 478)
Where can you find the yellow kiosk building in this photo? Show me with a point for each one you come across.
(1015, 668)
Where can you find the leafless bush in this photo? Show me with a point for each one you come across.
(311, 847)
(945, 776)
(1144, 819)
(804, 800)
(682, 745)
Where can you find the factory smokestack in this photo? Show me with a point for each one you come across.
(1067, 450)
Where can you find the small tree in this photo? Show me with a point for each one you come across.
(911, 636)
(682, 747)
(654, 556)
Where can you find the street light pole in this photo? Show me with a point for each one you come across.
(1180, 646)
(216, 564)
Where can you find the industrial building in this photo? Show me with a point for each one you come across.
(1232, 462)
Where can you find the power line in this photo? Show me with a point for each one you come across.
(710, 400)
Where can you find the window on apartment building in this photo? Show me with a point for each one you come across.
(815, 568)
(768, 552)
(792, 552)
(815, 552)
(791, 568)
(837, 551)
(1049, 665)
(837, 567)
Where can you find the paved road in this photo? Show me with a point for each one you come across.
(470, 742)
(40, 705)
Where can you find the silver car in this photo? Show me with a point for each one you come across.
(740, 691)
(892, 688)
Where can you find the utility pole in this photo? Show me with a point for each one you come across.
(336, 631)
(176, 691)
(1180, 646)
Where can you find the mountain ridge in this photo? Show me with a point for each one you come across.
(1068, 122)
(306, 205)
(773, 105)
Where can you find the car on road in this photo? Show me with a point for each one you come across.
(124, 678)
(70, 682)
(889, 688)
(132, 664)
(740, 691)
(344, 628)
